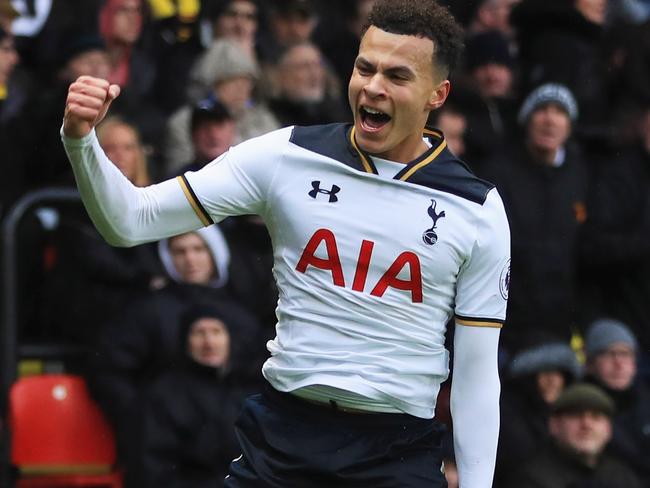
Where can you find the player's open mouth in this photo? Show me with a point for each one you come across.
(372, 119)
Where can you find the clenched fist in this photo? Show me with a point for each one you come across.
(87, 103)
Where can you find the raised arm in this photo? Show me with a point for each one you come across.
(125, 215)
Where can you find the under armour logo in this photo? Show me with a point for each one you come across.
(429, 236)
(317, 189)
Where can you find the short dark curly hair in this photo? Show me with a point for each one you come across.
(421, 18)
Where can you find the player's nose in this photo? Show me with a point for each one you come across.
(374, 87)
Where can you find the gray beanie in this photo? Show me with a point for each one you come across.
(548, 93)
(546, 357)
(223, 60)
(604, 332)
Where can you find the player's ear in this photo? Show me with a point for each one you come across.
(439, 95)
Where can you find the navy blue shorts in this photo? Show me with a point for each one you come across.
(287, 442)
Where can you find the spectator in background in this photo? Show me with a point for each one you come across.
(237, 21)
(580, 428)
(224, 73)
(123, 146)
(12, 96)
(131, 66)
(142, 341)
(213, 131)
(188, 413)
(615, 249)
(534, 380)
(488, 15)
(489, 98)
(176, 44)
(562, 42)
(611, 350)
(41, 155)
(8, 14)
(451, 120)
(290, 22)
(543, 182)
(91, 281)
(302, 95)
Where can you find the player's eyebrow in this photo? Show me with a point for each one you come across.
(402, 71)
(362, 62)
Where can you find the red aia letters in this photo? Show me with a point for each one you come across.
(389, 278)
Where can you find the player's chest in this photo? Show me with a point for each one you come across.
(360, 229)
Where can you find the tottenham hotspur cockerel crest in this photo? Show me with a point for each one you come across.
(429, 236)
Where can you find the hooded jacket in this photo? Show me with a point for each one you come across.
(143, 342)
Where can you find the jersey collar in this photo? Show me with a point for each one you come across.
(438, 144)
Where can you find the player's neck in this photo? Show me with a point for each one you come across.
(407, 151)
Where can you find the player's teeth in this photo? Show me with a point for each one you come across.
(372, 111)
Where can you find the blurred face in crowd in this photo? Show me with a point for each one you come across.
(586, 433)
(393, 88)
(192, 258)
(493, 80)
(453, 126)
(127, 22)
(234, 93)
(8, 58)
(292, 28)
(549, 127)
(92, 63)
(209, 342)
(550, 384)
(495, 15)
(363, 10)
(121, 145)
(592, 10)
(615, 367)
(211, 139)
(302, 75)
(238, 21)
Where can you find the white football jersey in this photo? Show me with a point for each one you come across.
(369, 269)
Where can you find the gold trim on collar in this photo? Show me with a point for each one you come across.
(426, 160)
(364, 160)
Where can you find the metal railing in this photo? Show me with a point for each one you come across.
(11, 351)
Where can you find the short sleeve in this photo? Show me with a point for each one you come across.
(484, 280)
(238, 182)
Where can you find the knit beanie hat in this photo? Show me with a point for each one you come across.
(581, 397)
(545, 94)
(546, 357)
(223, 60)
(604, 332)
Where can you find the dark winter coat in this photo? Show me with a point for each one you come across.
(187, 419)
(141, 344)
(631, 427)
(553, 467)
(545, 207)
(616, 248)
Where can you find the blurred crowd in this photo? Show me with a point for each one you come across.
(551, 103)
